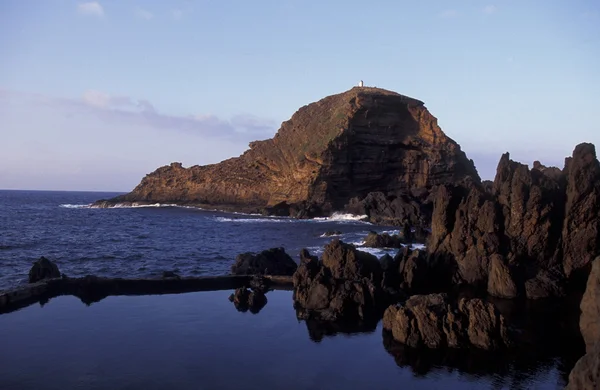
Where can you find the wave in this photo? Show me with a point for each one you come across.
(254, 220)
(344, 217)
(75, 206)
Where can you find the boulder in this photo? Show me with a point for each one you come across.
(43, 269)
(384, 240)
(433, 321)
(331, 233)
(586, 373)
(273, 261)
(344, 285)
(589, 322)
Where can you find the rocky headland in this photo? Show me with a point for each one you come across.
(367, 150)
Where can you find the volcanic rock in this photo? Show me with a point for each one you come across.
(273, 261)
(589, 322)
(586, 373)
(384, 240)
(343, 147)
(43, 269)
(432, 321)
(344, 285)
(528, 233)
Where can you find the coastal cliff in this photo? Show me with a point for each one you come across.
(330, 154)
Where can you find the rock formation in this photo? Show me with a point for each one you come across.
(432, 321)
(330, 154)
(344, 285)
(527, 234)
(586, 373)
(273, 261)
(589, 322)
(43, 269)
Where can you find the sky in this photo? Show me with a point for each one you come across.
(95, 95)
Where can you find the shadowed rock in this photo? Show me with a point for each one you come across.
(384, 240)
(528, 234)
(589, 322)
(345, 284)
(586, 373)
(273, 261)
(432, 321)
(43, 269)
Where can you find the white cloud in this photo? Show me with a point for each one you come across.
(176, 14)
(91, 8)
(449, 14)
(143, 14)
(125, 111)
(490, 9)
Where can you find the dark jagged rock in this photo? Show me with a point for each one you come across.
(331, 233)
(43, 269)
(273, 261)
(528, 233)
(581, 227)
(384, 240)
(432, 321)
(343, 147)
(245, 299)
(500, 281)
(394, 209)
(586, 373)
(344, 285)
(589, 322)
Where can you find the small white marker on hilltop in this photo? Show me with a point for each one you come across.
(360, 83)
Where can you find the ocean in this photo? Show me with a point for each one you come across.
(145, 241)
(199, 340)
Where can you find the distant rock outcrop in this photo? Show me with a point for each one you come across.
(43, 269)
(273, 261)
(526, 235)
(372, 150)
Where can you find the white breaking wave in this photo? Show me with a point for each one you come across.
(75, 206)
(252, 220)
(379, 252)
(341, 217)
(418, 246)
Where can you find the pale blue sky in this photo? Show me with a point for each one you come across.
(94, 95)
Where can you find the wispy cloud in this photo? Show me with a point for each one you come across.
(448, 14)
(127, 111)
(176, 14)
(490, 9)
(92, 8)
(143, 14)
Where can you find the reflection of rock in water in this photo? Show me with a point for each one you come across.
(319, 329)
(544, 340)
(245, 299)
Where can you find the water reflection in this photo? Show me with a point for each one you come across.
(317, 329)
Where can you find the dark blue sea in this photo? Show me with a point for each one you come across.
(145, 241)
(200, 340)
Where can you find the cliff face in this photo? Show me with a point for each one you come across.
(342, 147)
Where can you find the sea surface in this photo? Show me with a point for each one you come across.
(200, 341)
(145, 241)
